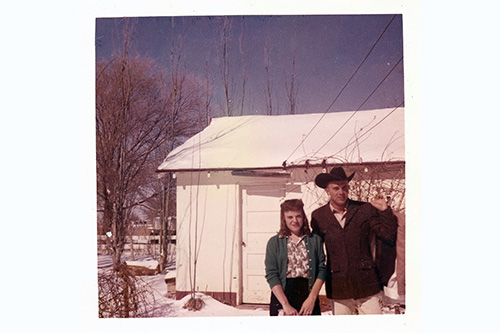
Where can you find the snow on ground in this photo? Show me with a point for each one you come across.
(169, 307)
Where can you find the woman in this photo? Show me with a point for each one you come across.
(295, 264)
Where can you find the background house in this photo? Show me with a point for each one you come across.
(232, 177)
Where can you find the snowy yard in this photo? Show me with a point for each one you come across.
(164, 306)
(169, 307)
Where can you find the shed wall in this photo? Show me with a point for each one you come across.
(207, 233)
(209, 220)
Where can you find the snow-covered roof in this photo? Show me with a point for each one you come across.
(260, 142)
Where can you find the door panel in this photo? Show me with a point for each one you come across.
(260, 221)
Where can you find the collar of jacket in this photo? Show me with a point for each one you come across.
(351, 208)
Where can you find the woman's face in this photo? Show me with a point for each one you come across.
(294, 221)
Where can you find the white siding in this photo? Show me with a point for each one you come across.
(210, 210)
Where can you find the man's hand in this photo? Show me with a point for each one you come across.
(379, 202)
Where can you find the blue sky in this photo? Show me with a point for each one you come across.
(328, 50)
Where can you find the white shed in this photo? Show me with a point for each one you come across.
(233, 175)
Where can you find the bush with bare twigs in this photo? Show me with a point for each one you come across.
(194, 304)
(122, 295)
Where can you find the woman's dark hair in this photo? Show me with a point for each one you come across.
(293, 205)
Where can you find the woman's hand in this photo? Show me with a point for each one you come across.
(307, 307)
(289, 310)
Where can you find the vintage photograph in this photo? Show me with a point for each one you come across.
(250, 165)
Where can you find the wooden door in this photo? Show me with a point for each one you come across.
(260, 221)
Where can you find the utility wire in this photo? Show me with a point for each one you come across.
(371, 128)
(371, 94)
(342, 90)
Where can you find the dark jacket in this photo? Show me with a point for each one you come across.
(277, 260)
(352, 272)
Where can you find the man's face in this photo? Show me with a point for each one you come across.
(294, 221)
(338, 192)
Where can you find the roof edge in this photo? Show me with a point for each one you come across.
(295, 166)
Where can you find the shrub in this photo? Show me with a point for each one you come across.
(122, 295)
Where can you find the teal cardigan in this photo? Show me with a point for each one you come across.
(277, 260)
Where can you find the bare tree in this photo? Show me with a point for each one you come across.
(243, 64)
(292, 88)
(208, 96)
(167, 184)
(223, 49)
(129, 118)
(268, 99)
(186, 117)
(135, 119)
(189, 97)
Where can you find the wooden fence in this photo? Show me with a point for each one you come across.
(139, 244)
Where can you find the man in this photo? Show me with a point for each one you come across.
(355, 280)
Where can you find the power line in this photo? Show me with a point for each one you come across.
(371, 128)
(371, 94)
(342, 90)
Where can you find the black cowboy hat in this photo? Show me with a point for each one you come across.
(336, 174)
